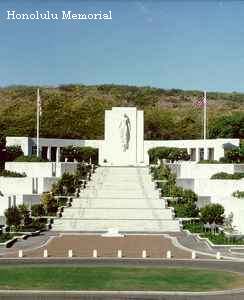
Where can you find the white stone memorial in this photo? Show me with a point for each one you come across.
(124, 137)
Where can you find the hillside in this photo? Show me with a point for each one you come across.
(77, 111)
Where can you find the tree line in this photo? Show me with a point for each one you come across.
(77, 111)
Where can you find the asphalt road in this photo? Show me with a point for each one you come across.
(48, 295)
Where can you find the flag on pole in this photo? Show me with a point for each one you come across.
(38, 115)
(39, 103)
(201, 102)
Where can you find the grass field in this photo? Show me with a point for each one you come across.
(117, 278)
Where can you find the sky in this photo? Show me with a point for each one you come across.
(197, 45)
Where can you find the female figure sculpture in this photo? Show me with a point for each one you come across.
(125, 132)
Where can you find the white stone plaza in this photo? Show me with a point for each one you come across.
(121, 194)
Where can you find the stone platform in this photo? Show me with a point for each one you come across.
(119, 197)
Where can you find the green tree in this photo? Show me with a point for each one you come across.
(231, 126)
(25, 213)
(37, 210)
(159, 125)
(66, 185)
(49, 203)
(170, 153)
(13, 216)
(212, 213)
(10, 153)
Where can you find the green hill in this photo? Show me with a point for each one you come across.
(77, 111)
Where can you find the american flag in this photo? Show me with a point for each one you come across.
(201, 102)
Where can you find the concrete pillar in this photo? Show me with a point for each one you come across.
(144, 254)
(9, 202)
(70, 253)
(197, 154)
(49, 153)
(58, 154)
(45, 254)
(119, 253)
(20, 253)
(168, 254)
(95, 253)
(205, 153)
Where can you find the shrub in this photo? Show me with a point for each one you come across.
(37, 210)
(185, 210)
(66, 185)
(10, 153)
(205, 161)
(6, 173)
(4, 237)
(224, 160)
(222, 239)
(36, 224)
(49, 203)
(184, 201)
(80, 154)
(13, 216)
(212, 213)
(82, 171)
(234, 155)
(162, 172)
(25, 213)
(223, 175)
(193, 227)
(62, 201)
(170, 153)
(32, 158)
(238, 194)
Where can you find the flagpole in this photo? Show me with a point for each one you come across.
(38, 124)
(205, 116)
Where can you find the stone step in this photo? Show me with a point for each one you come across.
(97, 202)
(118, 197)
(119, 213)
(122, 225)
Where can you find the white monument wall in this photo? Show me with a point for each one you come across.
(195, 170)
(42, 169)
(124, 131)
(211, 187)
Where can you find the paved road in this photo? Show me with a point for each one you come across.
(227, 265)
(221, 265)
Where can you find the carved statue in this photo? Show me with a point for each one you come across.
(125, 132)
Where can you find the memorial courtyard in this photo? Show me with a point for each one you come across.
(122, 213)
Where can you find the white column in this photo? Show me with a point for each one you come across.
(49, 152)
(205, 152)
(168, 254)
(144, 254)
(70, 253)
(94, 254)
(20, 253)
(119, 253)
(58, 154)
(197, 154)
(45, 254)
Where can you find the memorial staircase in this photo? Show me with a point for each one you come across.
(124, 198)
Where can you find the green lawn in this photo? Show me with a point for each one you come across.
(117, 278)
